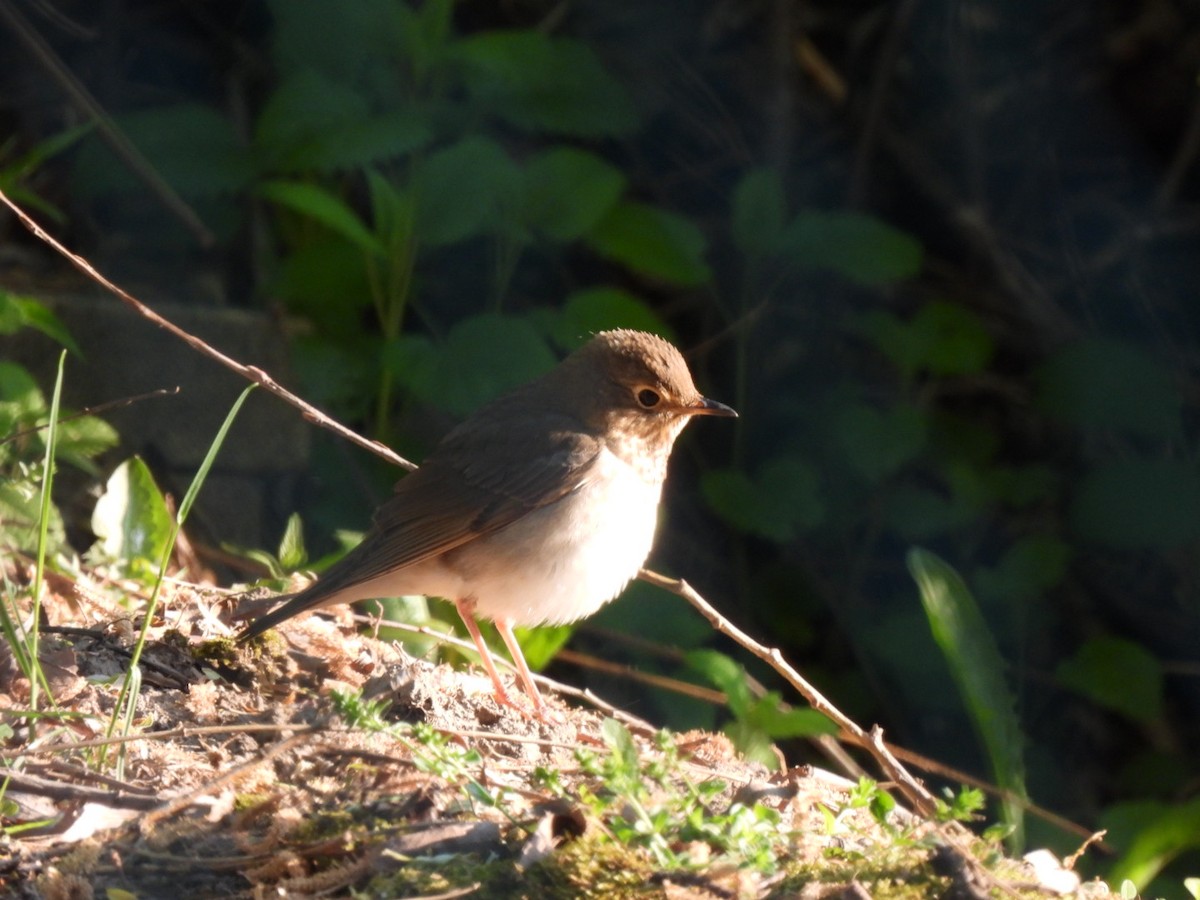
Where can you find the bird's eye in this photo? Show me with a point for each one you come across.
(648, 399)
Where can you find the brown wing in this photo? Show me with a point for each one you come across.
(477, 481)
(468, 488)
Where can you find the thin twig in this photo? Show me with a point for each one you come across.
(183, 731)
(91, 410)
(177, 804)
(916, 793)
(250, 373)
(58, 790)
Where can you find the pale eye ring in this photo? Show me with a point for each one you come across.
(648, 399)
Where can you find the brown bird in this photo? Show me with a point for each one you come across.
(539, 508)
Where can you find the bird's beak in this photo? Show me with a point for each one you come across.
(706, 407)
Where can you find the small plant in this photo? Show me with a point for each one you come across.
(654, 805)
(759, 719)
(24, 414)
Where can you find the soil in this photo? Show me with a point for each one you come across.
(243, 778)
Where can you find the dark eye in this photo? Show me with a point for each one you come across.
(648, 398)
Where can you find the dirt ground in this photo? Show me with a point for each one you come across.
(243, 778)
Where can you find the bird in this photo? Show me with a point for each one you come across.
(538, 508)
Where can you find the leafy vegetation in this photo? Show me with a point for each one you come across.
(449, 199)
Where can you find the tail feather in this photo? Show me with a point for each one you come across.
(312, 597)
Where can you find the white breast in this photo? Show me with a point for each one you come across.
(566, 560)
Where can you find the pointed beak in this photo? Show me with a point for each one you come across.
(706, 407)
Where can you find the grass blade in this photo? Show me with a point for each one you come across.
(130, 686)
(978, 669)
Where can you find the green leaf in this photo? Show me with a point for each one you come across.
(193, 147)
(652, 241)
(461, 189)
(919, 513)
(326, 280)
(20, 516)
(481, 357)
(314, 124)
(623, 765)
(590, 310)
(1137, 503)
(82, 439)
(362, 45)
(426, 34)
(17, 312)
(977, 666)
(416, 364)
(541, 83)
(778, 723)
(942, 339)
(781, 500)
(1162, 834)
(292, 554)
(322, 206)
(758, 213)
(540, 645)
(726, 675)
(1107, 383)
(1031, 566)
(131, 520)
(567, 191)
(19, 390)
(858, 246)
(878, 443)
(1119, 675)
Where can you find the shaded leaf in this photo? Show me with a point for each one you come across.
(314, 124)
(192, 146)
(878, 443)
(1031, 566)
(1107, 383)
(652, 241)
(1117, 674)
(326, 280)
(17, 312)
(481, 357)
(858, 246)
(782, 498)
(567, 191)
(941, 338)
(596, 309)
(542, 83)
(1139, 504)
(323, 206)
(460, 189)
(918, 513)
(758, 212)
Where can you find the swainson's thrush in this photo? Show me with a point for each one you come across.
(539, 508)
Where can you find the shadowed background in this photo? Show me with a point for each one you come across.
(940, 256)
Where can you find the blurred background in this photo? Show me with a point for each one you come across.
(943, 257)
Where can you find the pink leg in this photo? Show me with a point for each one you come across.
(510, 641)
(466, 609)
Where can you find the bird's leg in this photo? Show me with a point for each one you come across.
(466, 610)
(510, 641)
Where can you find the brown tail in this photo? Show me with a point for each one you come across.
(310, 598)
